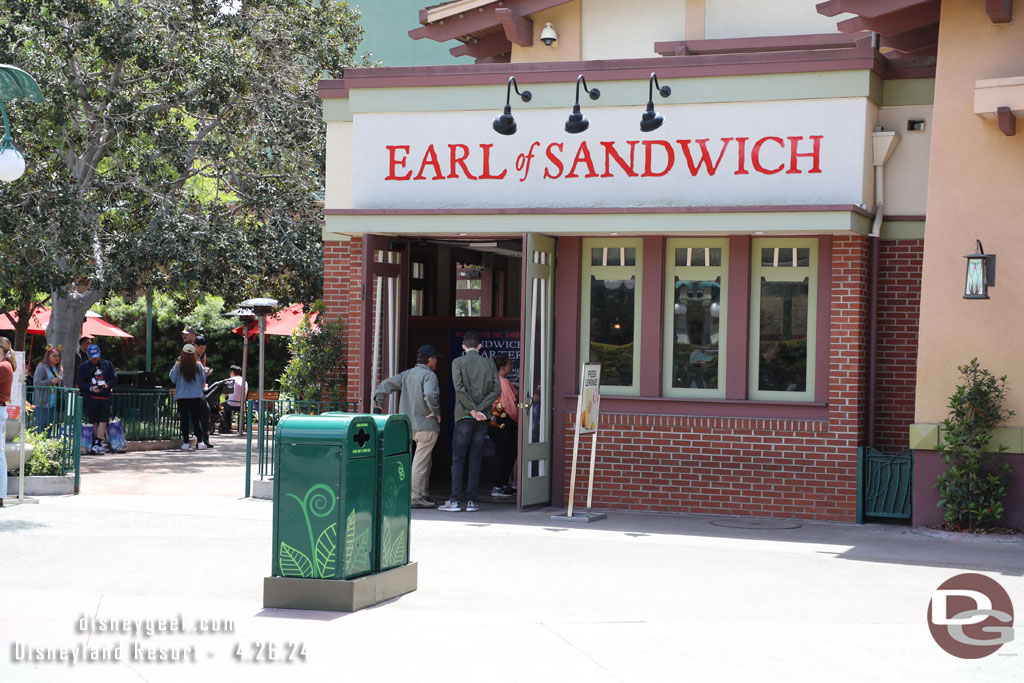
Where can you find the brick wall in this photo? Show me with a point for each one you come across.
(343, 297)
(754, 467)
(899, 306)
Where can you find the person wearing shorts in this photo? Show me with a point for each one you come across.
(96, 380)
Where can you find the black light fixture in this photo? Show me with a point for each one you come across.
(981, 273)
(577, 122)
(652, 120)
(505, 124)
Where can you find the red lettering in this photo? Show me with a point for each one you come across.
(555, 160)
(755, 156)
(430, 159)
(610, 153)
(582, 155)
(459, 161)
(648, 167)
(705, 156)
(395, 163)
(814, 154)
(486, 174)
(740, 156)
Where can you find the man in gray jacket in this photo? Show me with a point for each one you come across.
(421, 401)
(476, 388)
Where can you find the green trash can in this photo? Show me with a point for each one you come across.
(325, 496)
(396, 447)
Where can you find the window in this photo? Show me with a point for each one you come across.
(783, 305)
(695, 317)
(468, 286)
(610, 329)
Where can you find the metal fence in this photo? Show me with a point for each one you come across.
(265, 431)
(146, 414)
(885, 484)
(57, 413)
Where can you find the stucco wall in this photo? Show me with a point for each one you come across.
(748, 18)
(616, 30)
(906, 173)
(566, 21)
(339, 165)
(975, 179)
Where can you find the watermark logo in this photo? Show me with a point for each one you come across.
(970, 616)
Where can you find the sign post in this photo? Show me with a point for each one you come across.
(588, 408)
(17, 412)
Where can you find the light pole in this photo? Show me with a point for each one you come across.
(14, 83)
(261, 308)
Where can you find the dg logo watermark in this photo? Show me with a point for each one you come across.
(970, 616)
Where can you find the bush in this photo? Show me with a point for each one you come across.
(972, 489)
(317, 370)
(47, 456)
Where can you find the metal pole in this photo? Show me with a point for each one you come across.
(149, 331)
(243, 409)
(263, 326)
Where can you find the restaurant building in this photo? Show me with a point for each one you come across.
(748, 273)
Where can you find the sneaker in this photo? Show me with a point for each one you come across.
(185, 446)
(98, 449)
(471, 506)
(201, 446)
(500, 492)
(208, 444)
(510, 491)
(423, 504)
(450, 506)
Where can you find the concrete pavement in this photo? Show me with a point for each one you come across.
(503, 596)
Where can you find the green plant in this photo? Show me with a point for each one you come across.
(47, 456)
(317, 370)
(972, 489)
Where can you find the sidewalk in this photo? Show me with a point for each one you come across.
(503, 596)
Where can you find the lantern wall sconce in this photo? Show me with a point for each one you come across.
(577, 122)
(652, 120)
(14, 83)
(981, 273)
(548, 35)
(505, 124)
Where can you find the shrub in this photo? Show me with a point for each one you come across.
(972, 489)
(47, 456)
(317, 370)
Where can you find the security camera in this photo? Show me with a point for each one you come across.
(548, 34)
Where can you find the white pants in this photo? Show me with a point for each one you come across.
(3, 454)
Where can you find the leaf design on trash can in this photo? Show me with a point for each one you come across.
(326, 545)
(350, 538)
(385, 544)
(361, 554)
(398, 549)
(294, 562)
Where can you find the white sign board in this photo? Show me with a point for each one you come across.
(728, 154)
(591, 399)
(18, 386)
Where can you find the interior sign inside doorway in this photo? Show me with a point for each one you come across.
(492, 343)
(723, 154)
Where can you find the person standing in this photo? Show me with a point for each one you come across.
(204, 405)
(96, 380)
(504, 429)
(476, 387)
(47, 375)
(235, 399)
(82, 354)
(8, 364)
(188, 375)
(421, 401)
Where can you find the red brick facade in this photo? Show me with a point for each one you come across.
(343, 297)
(899, 306)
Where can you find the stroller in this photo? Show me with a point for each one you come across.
(212, 396)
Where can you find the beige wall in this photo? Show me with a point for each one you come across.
(613, 29)
(566, 21)
(338, 191)
(976, 191)
(906, 174)
(750, 18)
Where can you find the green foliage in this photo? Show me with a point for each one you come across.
(317, 370)
(47, 456)
(616, 362)
(972, 489)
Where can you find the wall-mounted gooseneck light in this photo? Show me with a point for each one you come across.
(981, 273)
(505, 124)
(652, 120)
(577, 122)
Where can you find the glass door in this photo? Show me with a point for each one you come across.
(535, 371)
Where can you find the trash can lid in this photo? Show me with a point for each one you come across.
(395, 432)
(356, 433)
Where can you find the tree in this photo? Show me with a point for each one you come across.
(317, 370)
(179, 147)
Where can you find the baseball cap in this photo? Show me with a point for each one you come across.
(428, 351)
(200, 340)
(189, 330)
(188, 348)
(93, 351)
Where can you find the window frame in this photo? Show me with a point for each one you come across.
(757, 271)
(668, 314)
(612, 273)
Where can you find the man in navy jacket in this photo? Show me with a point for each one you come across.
(96, 379)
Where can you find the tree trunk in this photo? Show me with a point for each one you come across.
(65, 327)
(21, 327)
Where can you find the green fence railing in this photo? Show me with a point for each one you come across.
(885, 484)
(274, 410)
(146, 414)
(57, 412)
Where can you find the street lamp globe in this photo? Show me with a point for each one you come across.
(12, 163)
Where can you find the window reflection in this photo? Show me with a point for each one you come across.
(611, 328)
(783, 335)
(696, 318)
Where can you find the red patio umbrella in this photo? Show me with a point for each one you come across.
(282, 323)
(94, 325)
